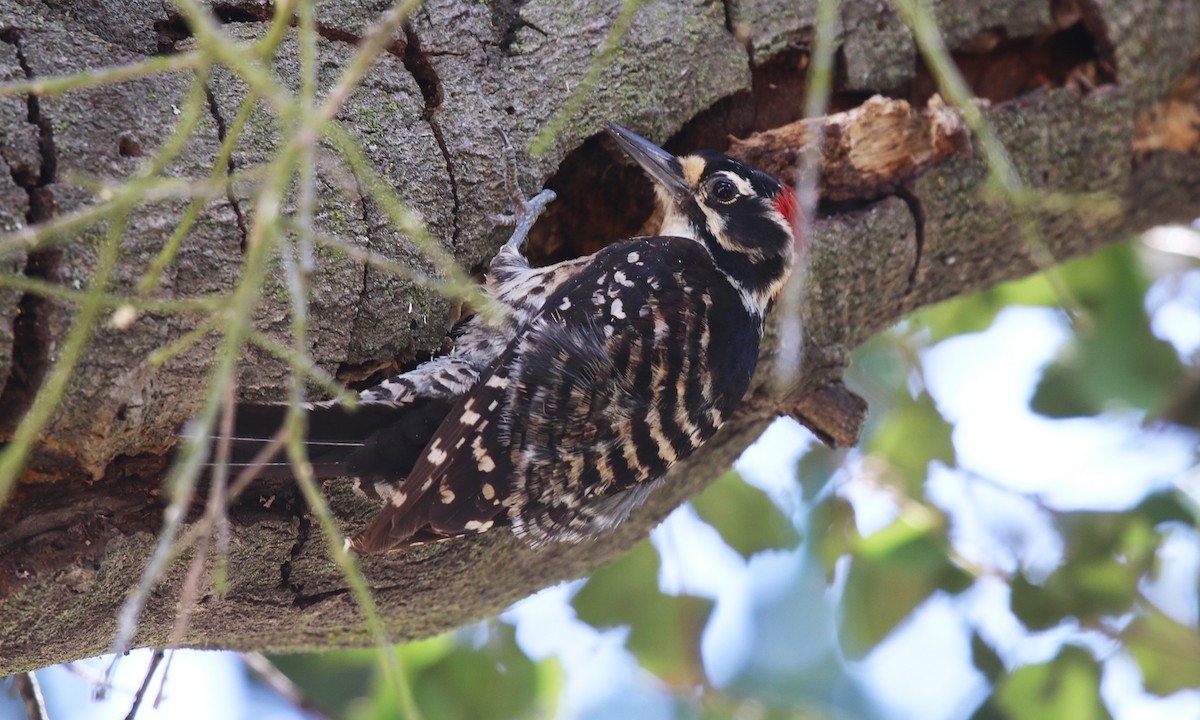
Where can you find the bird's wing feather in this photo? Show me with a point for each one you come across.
(591, 403)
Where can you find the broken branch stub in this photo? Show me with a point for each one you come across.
(868, 151)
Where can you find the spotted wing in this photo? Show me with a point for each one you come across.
(606, 387)
(463, 467)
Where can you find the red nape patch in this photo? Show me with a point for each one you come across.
(788, 206)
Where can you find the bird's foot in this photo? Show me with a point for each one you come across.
(525, 210)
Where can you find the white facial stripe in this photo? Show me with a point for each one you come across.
(716, 226)
(743, 185)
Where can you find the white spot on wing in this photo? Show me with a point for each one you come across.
(436, 455)
(618, 310)
(482, 458)
(447, 495)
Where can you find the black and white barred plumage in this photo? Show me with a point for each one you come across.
(602, 372)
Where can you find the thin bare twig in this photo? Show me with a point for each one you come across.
(162, 681)
(12, 458)
(31, 695)
(303, 365)
(140, 695)
(273, 677)
(816, 105)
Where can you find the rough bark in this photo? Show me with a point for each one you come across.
(1083, 94)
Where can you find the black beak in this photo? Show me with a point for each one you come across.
(662, 167)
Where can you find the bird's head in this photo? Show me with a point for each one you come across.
(748, 219)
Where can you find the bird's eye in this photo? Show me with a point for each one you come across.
(722, 190)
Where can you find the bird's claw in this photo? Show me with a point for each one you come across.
(525, 210)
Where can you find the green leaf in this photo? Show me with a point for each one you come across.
(746, 518)
(816, 468)
(913, 435)
(491, 680)
(664, 630)
(1118, 361)
(892, 572)
(1066, 688)
(976, 312)
(1167, 506)
(716, 705)
(1107, 555)
(1167, 653)
(985, 658)
(338, 682)
(833, 531)
(1080, 588)
(1033, 606)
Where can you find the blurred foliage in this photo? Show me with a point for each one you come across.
(1066, 688)
(893, 571)
(745, 516)
(1119, 362)
(664, 630)
(1167, 652)
(851, 582)
(914, 435)
(477, 674)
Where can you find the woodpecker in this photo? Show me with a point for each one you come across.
(602, 372)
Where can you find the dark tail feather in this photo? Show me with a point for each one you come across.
(374, 441)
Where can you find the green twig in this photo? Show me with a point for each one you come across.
(347, 562)
(119, 198)
(59, 84)
(583, 90)
(260, 244)
(158, 306)
(472, 294)
(191, 337)
(220, 170)
(185, 125)
(219, 46)
(1003, 176)
(296, 271)
(456, 283)
(377, 37)
(14, 454)
(281, 21)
